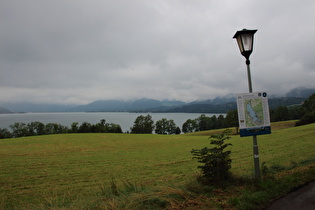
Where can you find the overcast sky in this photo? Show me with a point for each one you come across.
(79, 51)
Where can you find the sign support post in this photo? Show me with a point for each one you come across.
(255, 142)
(253, 114)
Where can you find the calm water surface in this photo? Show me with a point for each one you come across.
(124, 119)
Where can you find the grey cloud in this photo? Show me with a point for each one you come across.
(78, 51)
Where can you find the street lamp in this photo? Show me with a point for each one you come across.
(245, 40)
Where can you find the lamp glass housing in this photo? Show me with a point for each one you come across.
(245, 40)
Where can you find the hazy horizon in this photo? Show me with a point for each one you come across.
(77, 52)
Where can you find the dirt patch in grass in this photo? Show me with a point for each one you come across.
(283, 125)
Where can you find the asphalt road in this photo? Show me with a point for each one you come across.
(301, 199)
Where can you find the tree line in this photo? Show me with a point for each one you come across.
(145, 125)
(20, 129)
(304, 113)
(142, 125)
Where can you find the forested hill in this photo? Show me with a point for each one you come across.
(4, 110)
(207, 107)
(217, 105)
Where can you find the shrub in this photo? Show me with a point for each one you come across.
(216, 161)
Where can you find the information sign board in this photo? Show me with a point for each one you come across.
(253, 113)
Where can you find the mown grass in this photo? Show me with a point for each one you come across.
(129, 171)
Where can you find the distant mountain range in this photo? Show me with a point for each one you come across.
(216, 105)
(4, 110)
(141, 105)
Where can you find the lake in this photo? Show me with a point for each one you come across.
(124, 119)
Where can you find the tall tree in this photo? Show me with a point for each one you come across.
(231, 119)
(19, 129)
(171, 127)
(204, 122)
(308, 111)
(165, 126)
(143, 124)
(74, 127)
(113, 128)
(161, 126)
(5, 133)
(190, 126)
(220, 121)
(85, 127)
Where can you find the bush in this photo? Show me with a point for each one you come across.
(217, 161)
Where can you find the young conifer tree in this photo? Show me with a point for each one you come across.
(216, 160)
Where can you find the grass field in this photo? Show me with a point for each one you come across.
(69, 171)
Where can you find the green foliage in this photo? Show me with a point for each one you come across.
(295, 112)
(203, 123)
(74, 127)
(19, 129)
(279, 114)
(220, 121)
(143, 124)
(37, 128)
(231, 119)
(113, 128)
(54, 128)
(216, 161)
(189, 126)
(177, 130)
(171, 127)
(85, 127)
(5, 133)
(161, 126)
(308, 111)
(283, 113)
(309, 104)
(165, 126)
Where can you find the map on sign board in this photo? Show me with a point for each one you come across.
(253, 114)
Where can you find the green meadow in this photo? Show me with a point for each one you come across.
(110, 171)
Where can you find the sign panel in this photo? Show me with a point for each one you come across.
(253, 113)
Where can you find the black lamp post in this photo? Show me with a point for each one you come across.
(245, 40)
